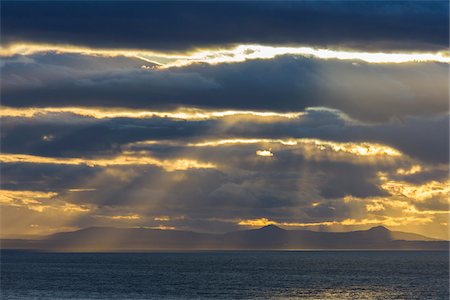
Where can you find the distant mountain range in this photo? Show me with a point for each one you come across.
(266, 238)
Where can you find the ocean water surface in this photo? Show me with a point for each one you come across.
(226, 275)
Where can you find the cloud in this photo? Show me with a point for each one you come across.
(173, 26)
(36, 210)
(318, 133)
(387, 221)
(286, 189)
(418, 192)
(267, 153)
(358, 149)
(29, 199)
(109, 113)
(121, 160)
(237, 54)
(366, 92)
(146, 122)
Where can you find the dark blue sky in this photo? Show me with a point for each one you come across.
(173, 25)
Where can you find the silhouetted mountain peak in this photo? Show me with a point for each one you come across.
(380, 229)
(271, 227)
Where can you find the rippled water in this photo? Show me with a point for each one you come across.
(225, 275)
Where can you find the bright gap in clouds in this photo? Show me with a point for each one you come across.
(264, 153)
(105, 113)
(237, 54)
(247, 52)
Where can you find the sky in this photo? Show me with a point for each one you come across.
(217, 116)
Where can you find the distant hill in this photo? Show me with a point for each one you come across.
(266, 238)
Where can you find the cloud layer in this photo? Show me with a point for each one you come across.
(364, 91)
(161, 115)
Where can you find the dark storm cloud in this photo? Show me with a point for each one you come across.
(90, 137)
(76, 61)
(170, 25)
(358, 182)
(426, 139)
(439, 174)
(44, 177)
(373, 92)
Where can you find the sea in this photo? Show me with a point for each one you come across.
(226, 275)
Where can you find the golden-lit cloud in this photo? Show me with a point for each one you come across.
(30, 48)
(375, 206)
(392, 211)
(69, 207)
(414, 210)
(354, 148)
(413, 170)
(162, 218)
(391, 204)
(264, 222)
(400, 203)
(382, 220)
(107, 113)
(264, 153)
(359, 149)
(32, 200)
(37, 201)
(237, 54)
(81, 190)
(127, 158)
(419, 192)
(161, 227)
(126, 217)
(407, 214)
